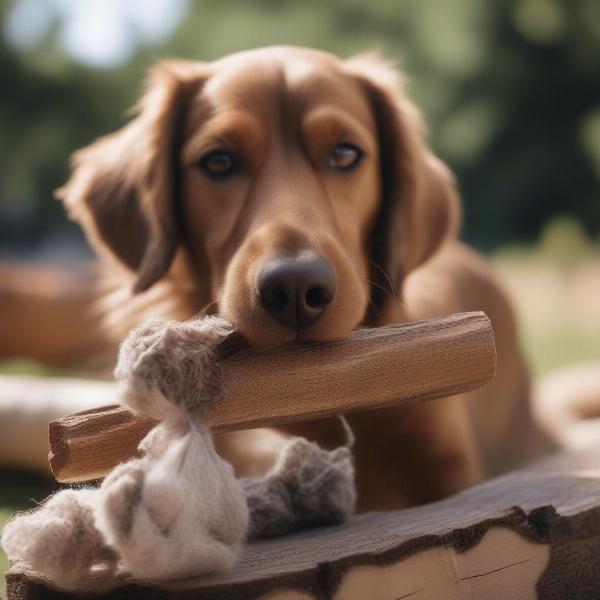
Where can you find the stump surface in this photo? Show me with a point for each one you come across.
(529, 534)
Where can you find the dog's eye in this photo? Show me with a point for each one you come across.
(217, 164)
(345, 156)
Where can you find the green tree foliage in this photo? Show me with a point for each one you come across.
(510, 89)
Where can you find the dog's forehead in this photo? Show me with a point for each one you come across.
(259, 81)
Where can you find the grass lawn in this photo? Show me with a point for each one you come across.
(554, 348)
(560, 325)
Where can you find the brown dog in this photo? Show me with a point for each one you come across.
(293, 192)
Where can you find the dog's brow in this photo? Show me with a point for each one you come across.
(329, 122)
(231, 129)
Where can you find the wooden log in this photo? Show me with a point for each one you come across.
(28, 403)
(46, 315)
(528, 534)
(373, 368)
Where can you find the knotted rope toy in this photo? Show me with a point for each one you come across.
(178, 510)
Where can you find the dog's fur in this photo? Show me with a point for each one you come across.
(388, 228)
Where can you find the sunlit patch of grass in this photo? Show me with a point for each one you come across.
(554, 286)
(25, 367)
(560, 346)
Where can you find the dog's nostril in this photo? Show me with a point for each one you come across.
(317, 297)
(296, 291)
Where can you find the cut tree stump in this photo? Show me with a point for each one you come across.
(529, 534)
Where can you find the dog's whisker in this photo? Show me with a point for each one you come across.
(373, 306)
(203, 311)
(381, 287)
(387, 278)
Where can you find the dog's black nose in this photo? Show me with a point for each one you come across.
(296, 291)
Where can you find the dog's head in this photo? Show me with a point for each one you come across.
(298, 185)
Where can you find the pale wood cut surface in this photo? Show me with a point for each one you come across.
(535, 531)
(373, 368)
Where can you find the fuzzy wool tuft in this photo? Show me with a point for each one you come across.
(60, 540)
(164, 365)
(307, 487)
(175, 512)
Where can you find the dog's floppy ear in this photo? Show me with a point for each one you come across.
(419, 205)
(124, 187)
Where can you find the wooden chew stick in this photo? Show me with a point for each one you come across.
(373, 368)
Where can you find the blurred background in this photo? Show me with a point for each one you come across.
(510, 89)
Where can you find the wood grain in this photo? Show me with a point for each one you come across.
(373, 368)
(532, 533)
